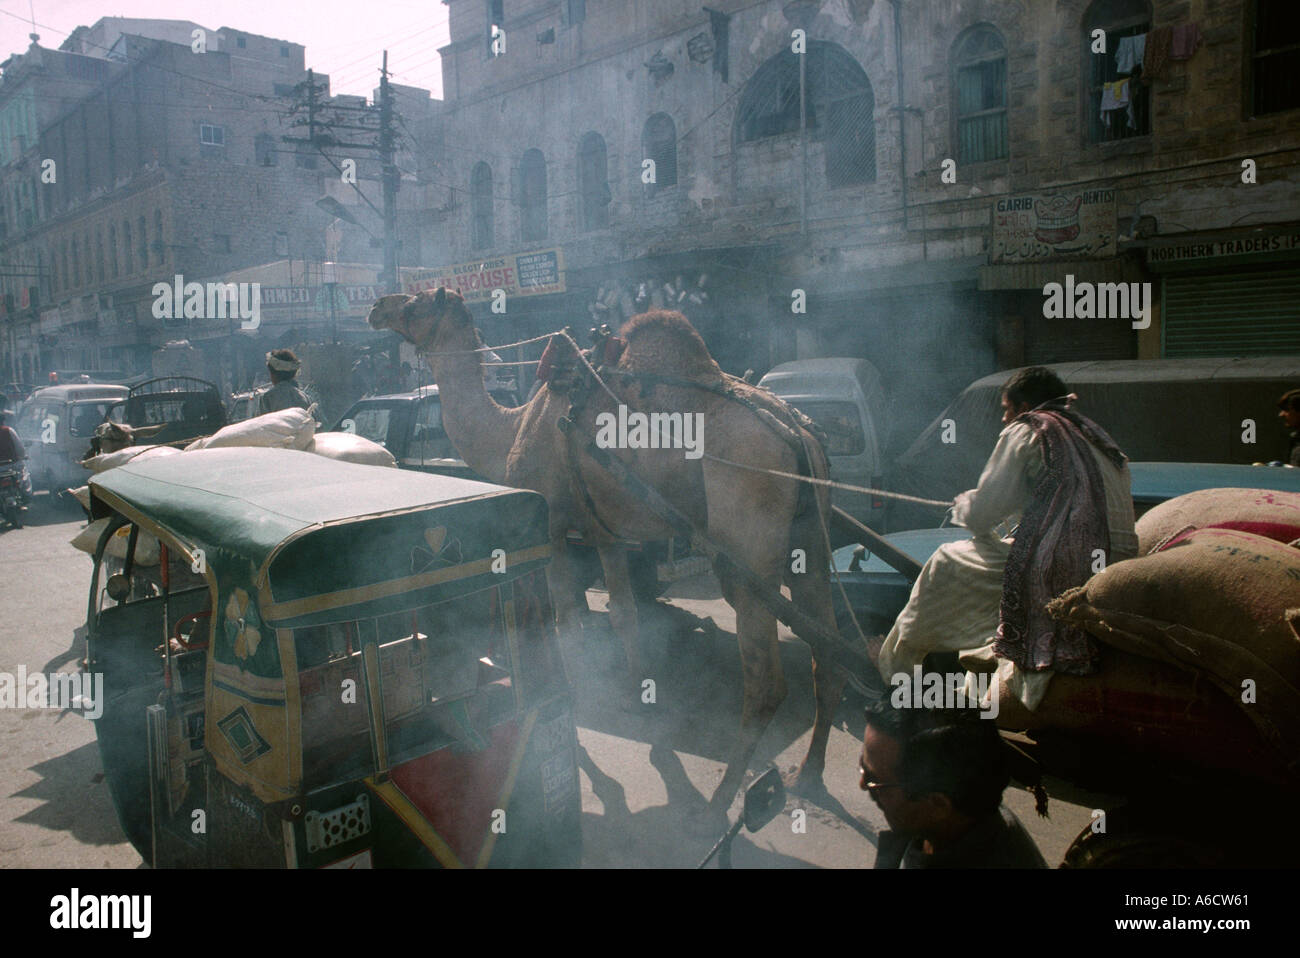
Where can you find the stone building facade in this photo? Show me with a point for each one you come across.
(165, 161)
(1028, 146)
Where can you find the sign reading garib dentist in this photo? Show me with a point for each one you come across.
(518, 274)
(1035, 227)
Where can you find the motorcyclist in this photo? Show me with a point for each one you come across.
(12, 451)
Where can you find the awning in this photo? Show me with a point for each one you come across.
(1120, 269)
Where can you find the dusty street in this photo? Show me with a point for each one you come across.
(646, 771)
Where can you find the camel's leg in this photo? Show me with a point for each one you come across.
(765, 690)
(622, 606)
(810, 592)
(561, 578)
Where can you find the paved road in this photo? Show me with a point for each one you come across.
(646, 771)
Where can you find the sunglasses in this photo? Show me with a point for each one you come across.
(873, 787)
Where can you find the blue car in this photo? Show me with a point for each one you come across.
(877, 591)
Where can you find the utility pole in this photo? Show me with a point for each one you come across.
(390, 182)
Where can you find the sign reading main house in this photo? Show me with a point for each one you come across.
(519, 274)
(1075, 225)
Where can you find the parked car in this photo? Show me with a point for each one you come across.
(845, 398)
(56, 424)
(1157, 410)
(877, 592)
(409, 425)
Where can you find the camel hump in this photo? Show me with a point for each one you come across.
(664, 341)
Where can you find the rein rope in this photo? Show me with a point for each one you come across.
(656, 379)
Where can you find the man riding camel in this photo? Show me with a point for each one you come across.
(1063, 479)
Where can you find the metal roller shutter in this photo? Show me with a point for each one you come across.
(1242, 313)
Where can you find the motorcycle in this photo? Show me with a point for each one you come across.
(15, 493)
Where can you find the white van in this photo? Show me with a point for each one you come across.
(844, 397)
(56, 424)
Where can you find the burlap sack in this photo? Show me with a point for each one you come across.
(350, 448)
(1211, 506)
(285, 429)
(1140, 706)
(1215, 604)
(111, 460)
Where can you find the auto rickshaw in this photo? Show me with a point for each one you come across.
(311, 663)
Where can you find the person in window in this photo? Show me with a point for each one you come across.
(939, 782)
(283, 366)
(1061, 481)
(1289, 412)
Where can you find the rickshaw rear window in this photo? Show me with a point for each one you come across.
(447, 676)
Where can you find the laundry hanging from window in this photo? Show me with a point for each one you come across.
(1115, 97)
(1128, 56)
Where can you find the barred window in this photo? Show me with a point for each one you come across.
(1275, 58)
(839, 108)
(593, 182)
(980, 82)
(480, 192)
(532, 199)
(659, 143)
(1118, 103)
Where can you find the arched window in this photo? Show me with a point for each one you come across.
(160, 249)
(67, 266)
(840, 108)
(52, 281)
(979, 63)
(532, 195)
(659, 143)
(89, 252)
(593, 182)
(127, 249)
(1117, 99)
(480, 203)
(76, 265)
(144, 242)
(112, 249)
(99, 254)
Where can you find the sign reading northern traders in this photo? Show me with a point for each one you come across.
(1033, 227)
(535, 273)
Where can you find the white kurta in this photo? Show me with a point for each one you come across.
(954, 605)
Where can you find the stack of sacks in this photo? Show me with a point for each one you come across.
(111, 460)
(286, 429)
(1264, 512)
(1219, 602)
(350, 447)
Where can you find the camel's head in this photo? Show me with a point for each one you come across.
(113, 436)
(422, 318)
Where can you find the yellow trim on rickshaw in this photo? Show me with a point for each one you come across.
(503, 800)
(273, 611)
(403, 808)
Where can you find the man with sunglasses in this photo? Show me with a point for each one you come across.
(938, 779)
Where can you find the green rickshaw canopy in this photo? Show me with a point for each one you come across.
(319, 538)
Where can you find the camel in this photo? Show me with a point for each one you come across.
(754, 517)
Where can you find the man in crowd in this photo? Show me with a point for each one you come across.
(11, 451)
(1289, 412)
(283, 366)
(1067, 484)
(939, 779)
